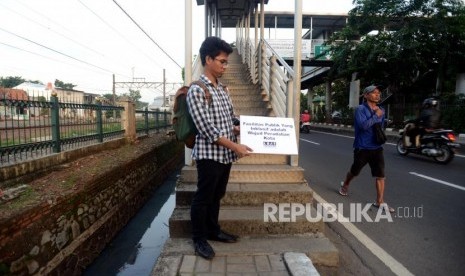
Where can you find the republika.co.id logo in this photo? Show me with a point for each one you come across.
(329, 212)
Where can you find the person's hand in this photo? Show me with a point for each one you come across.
(378, 111)
(237, 130)
(242, 150)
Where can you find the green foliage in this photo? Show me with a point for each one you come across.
(10, 82)
(416, 41)
(453, 117)
(303, 102)
(60, 84)
(453, 112)
(4, 269)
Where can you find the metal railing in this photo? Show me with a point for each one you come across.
(147, 121)
(31, 129)
(271, 71)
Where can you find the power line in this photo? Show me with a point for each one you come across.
(50, 29)
(116, 31)
(58, 52)
(147, 35)
(46, 57)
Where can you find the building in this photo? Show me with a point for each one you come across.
(18, 112)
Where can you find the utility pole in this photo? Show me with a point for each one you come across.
(114, 91)
(164, 89)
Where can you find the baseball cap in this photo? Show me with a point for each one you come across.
(369, 89)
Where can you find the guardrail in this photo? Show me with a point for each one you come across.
(31, 129)
(271, 71)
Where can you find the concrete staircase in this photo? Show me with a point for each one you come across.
(253, 181)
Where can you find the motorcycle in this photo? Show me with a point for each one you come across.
(439, 144)
(305, 127)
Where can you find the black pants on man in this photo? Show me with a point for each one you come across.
(212, 179)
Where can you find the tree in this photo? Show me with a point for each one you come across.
(416, 51)
(69, 86)
(10, 82)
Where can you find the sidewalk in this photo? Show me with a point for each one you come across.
(250, 256)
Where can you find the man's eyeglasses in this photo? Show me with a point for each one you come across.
(223, 62)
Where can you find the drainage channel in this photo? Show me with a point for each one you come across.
(137, 246)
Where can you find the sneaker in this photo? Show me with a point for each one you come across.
(343, 191)
(203, 249)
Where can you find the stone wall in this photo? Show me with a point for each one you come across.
(64, 237)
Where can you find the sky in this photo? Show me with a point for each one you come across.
(85, 42)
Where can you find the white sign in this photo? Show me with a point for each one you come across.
(285, 47)
(272, 135)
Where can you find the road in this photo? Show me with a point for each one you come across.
(427, 232)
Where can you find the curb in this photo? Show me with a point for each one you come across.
(391, 133)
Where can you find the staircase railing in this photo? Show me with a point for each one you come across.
(196, 68)
(272, 72)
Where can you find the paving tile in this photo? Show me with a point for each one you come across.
(188, 263)
(218, 264)
(241, 268)
(240, 259)
(262, 263)
(274, 273)
(202, 265)
(277, 262)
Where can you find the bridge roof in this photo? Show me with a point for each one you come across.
(230, 12)
(319, 22)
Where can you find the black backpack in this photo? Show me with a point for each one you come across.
(183, 124)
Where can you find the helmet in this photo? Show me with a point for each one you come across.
(305, 111)
(430, 102)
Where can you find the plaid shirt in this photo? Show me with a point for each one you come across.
(212, 120)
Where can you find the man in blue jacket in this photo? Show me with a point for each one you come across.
(366, 149)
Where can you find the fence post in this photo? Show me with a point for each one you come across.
(99, 122)
(128, 119)
(55, 123)
(157, 121)
(146, 117)
(165, 119)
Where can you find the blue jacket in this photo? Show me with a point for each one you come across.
(364, 120)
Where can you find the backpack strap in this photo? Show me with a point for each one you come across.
(202, 85)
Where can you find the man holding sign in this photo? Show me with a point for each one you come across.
(216, 146)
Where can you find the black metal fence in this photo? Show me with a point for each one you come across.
(31, 128)
(147, 121)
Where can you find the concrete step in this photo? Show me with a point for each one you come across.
(264, 159)
(317, 247)
(247, 221)
(247, 194)
(249, 104)
(253, 173)
(238, 84)
(246, 93)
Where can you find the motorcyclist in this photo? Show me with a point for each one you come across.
(305, 118)
(429, 119)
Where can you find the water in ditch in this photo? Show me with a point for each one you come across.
(137, 246)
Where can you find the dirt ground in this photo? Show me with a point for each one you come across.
(71, 177)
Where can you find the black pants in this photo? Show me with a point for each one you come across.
(212, 179)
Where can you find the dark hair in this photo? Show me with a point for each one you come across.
(212, 46)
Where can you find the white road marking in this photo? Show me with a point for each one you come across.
(340, 135)
(395, 266)
(347, 136)
(438, 181)
(311, 142)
